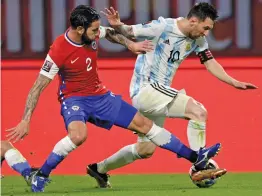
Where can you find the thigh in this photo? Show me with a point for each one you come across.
(74, 109)
(110, 110)
(125, 115)
(177, 108)
(153, 99)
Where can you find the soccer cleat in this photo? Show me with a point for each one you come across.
(204, 154)
(208, 174)
(28, 177)
(38, 182)
(101, 179)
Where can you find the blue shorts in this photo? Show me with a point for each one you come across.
(102, 110)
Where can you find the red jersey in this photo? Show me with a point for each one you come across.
(76, 66)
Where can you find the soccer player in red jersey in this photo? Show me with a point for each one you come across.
(83, 97)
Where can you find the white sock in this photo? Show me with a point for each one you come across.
(159, 136)
(124, 156)
(17, 162)
(13, 156)
(64, 146)
(196, 134)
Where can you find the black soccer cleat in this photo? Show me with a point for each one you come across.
(101, 179)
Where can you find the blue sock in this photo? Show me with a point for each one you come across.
(23, 168)
(176, 146)
(52, 161)
(17, 162)
(165, 139)
(60, 151)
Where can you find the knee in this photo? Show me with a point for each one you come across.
(5, 146)
(145, 149)
(141, 124)
(78, 137)
(196, 111)
(201, 114)
(78, 134)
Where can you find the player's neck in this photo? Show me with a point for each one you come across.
(72, 35)
(183, 26)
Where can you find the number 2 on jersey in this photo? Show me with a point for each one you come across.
(88, 63)
(174, 56)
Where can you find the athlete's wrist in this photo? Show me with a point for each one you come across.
(26, 119)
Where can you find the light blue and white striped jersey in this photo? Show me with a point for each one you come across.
(171, 47)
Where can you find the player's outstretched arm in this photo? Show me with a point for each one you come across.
(218, 71)
(135, 47)
(21, 130)
(114, 20)
(34, 94)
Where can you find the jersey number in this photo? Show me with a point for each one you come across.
(174, 56)
(88, 63)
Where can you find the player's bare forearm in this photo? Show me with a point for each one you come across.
(114, 20)
(218, 71)
(125, 30)
(113, 36)
(34, 94)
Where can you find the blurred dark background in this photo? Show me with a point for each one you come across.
(30, 26)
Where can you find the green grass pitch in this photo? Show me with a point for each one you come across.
(232, 184)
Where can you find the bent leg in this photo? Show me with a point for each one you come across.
(186, 107)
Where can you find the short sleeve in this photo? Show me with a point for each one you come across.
(53, 61)
(56, 54)
(201, 44)
(151, 29)
(49, 68)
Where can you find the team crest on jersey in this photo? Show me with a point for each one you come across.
(47, 66)
(75, 107)
(94, 45)
(188, 47)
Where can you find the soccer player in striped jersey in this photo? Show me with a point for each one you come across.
(174, 39)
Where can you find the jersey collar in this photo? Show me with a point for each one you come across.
(71, 42)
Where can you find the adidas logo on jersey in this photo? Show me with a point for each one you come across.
(167, 42)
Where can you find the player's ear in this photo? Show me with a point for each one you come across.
(193, 21)
(80, 30)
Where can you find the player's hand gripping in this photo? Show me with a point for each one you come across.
(112, 16)
(141, 47)
(19, 132)
(243, 85)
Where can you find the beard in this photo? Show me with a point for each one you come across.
(86, 40)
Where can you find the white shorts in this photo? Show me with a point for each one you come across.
(156, 102)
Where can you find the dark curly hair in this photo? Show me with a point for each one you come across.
(202, 11)
(83, 15)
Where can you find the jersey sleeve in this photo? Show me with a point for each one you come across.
(53, 61)
(151, 29)
(49, 68)
(201, 45)
(102, 32)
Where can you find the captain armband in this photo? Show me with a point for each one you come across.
(205, 56)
